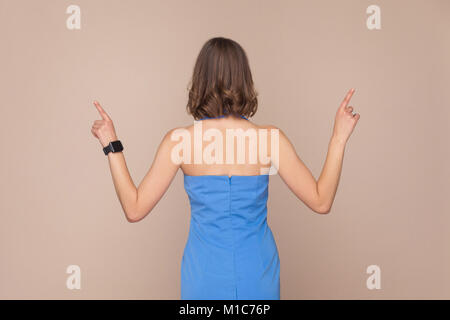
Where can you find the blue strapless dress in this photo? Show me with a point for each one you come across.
(230, 252)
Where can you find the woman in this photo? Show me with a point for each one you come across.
(230, 252)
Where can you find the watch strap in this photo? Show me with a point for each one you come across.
(113, 146)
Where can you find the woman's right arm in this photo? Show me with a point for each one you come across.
(137, 202)
(318, 195)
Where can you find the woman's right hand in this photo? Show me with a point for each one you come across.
(103, 129)
(345, 120)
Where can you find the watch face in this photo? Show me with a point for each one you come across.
(116, 146)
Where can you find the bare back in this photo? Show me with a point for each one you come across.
(241, 147)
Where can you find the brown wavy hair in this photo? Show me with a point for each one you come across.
(222, 82)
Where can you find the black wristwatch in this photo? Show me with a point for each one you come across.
(113, 146)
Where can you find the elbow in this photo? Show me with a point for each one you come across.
(321, 207)
(136, 215)
(132, 217)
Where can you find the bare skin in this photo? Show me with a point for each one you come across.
(138, 202)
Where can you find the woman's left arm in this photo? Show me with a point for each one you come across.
(136, 202)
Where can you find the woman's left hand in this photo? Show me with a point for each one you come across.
(345, 120)
(103, 129)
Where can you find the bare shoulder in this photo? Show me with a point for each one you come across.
(273, 127)
(267, 126)
(172, 136)
(179, 129)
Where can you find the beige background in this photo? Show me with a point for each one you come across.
(58, 205)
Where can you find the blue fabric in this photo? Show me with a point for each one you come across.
(230, 252)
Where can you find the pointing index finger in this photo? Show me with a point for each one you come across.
(101, 111)
(347, 98)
